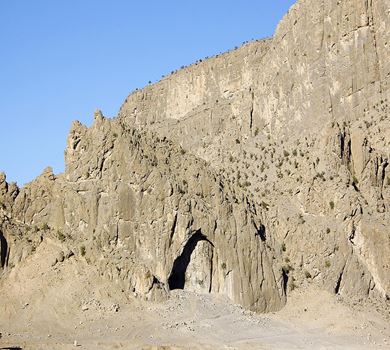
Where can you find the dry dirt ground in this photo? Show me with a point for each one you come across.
(68, 306)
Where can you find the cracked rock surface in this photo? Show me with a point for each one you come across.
(255, 175)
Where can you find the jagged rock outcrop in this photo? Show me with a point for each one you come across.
(153, 218)
(248, 174)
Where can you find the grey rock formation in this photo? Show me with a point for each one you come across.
(248, 174)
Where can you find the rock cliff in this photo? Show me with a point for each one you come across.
(247, 174)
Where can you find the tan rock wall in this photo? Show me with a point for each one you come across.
(248, 174)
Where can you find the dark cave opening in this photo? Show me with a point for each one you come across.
(176, 279)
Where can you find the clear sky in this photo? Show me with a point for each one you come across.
(62, 59)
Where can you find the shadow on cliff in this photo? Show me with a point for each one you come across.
(176, 279)
(3, 250)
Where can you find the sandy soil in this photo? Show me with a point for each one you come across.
(69, 306)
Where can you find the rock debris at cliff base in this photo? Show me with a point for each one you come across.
(255, 176)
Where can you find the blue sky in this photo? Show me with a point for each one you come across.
(62, 59)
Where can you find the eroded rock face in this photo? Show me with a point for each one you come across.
(153, 217)
(301, 122)
(249, 174)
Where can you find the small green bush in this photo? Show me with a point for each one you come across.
(82, 250)
(331, 204)
(61, 236)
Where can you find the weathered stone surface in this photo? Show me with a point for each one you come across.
(248, 174)
(309, 137)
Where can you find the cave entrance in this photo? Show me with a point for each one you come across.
(177, 278)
